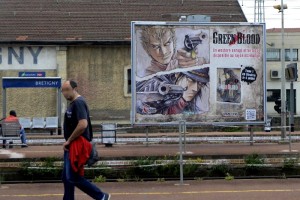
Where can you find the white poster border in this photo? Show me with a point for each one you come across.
(134, 24)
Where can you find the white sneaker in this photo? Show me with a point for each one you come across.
(106, 196)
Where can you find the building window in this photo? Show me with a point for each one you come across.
(127, 81)
(291, 55)
(273, 55)
(273, 95)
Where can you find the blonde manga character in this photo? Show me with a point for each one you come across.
(160, 44)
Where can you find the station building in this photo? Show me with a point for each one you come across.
(86, 40)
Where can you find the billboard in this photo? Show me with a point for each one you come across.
(202, 73)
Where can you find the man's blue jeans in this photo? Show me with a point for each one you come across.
(72, 179)
(23, 135)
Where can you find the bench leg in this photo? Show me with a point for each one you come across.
(5, 144)
(10, 146)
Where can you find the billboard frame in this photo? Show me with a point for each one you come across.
(173, 123)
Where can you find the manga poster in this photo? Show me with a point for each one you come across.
(200, 73)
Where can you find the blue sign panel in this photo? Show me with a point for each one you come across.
(16, 82)
(32, 74)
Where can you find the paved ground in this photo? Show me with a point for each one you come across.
(273, 189)
(218, 189)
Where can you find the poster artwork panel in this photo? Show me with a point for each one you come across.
(201, 73)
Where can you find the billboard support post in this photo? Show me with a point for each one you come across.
(147, 136)
(290, 137)
(184, 138)
(251, 135)
(182, 128)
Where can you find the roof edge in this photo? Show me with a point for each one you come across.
(242, 11)
(69, 43)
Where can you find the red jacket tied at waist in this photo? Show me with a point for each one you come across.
(80, 150)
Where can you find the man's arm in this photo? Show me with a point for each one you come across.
(80, 128)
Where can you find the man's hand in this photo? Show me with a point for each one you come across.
(189, 59)
(81, 126)
(66, 145)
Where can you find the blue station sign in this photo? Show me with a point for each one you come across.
(33, 82)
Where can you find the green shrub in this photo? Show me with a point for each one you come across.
(99, 179)
(254, 159)
(254, 164)
(219, 170)
(229, 177)
(232, 129)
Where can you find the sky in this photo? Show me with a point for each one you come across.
(272, 16)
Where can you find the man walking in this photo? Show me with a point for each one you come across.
(77, 135)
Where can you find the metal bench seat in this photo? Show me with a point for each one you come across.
(10, 131)
(51, 122)
(38, 122)
(25, 122)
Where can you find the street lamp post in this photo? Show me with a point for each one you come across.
(283, 88)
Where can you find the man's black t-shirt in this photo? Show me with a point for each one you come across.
(76, 111)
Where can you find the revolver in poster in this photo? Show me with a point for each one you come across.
(155, 101)
(191, 42)
(165, 89)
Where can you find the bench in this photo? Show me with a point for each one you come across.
(10, 131)
(50, 123)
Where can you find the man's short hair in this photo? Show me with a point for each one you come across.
(73, 84)
(13, 113)
(156, 32)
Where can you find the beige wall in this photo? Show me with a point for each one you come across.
(99, 71)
